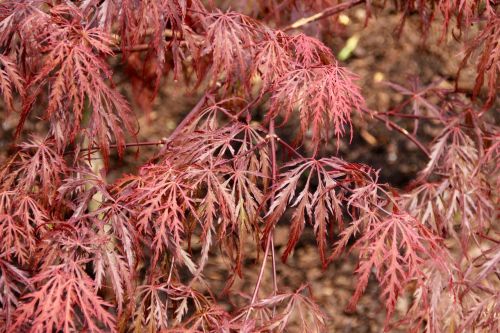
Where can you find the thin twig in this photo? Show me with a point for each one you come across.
(126, 145)
(270, 235)
(259, 279)
(330, 11)
(409, 116)
(167, 33)
(401, 130)
(289, 148)
(274, 171)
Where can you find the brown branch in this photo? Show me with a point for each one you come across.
(409, 116)
(167, 33)
(132, 48)
(330, 11)
(126, 145)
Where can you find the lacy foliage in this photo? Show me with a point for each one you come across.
(81, 253)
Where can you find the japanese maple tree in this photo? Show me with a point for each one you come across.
(82, 252)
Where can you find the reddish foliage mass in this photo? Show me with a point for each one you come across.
(80, 253)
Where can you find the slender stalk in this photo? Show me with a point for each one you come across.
(274, 179)
(289, 148)
(270, 236)
(401, 130)
(171, 271)
(275, 279)
(259, 279)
